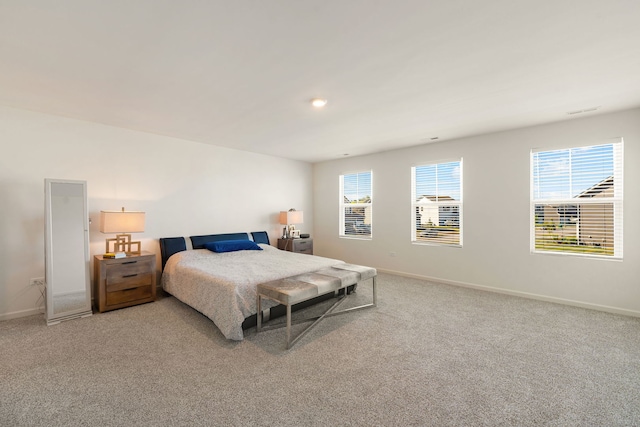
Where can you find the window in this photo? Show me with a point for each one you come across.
(355, 205)
(436, 207)
(576, 200)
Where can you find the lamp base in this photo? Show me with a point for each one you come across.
(123, 243)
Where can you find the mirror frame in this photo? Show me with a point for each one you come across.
(52, 261)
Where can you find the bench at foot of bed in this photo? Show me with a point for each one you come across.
(303, 287)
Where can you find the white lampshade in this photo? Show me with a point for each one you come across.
(291, 217)
(121, 221)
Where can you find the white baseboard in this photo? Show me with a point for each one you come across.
(23, 313)
(38, 310)
(605, 308)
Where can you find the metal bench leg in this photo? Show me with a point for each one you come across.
(375, 293)
(288, 326)
(328, 313)
(259, 313)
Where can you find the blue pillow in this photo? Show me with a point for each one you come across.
(232, 246)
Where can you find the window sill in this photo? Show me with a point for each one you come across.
(436, 244)
(573, 254)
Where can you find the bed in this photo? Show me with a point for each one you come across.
(222, 286)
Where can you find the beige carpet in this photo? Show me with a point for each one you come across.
(428, 355)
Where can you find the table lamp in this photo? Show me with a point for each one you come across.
(122, 223)
(289, 218)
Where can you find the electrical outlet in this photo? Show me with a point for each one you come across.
(37, 281)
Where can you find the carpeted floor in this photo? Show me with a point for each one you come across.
(428, 355)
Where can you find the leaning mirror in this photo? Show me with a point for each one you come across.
(67, 273)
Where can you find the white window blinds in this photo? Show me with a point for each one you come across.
(356, 205)
(436, 207)
(576, 200)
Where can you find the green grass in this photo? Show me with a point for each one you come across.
(552, 244)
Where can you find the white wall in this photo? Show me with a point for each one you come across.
(496, 252)
(185, 188)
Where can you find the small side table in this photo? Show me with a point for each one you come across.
(301, 246)
(124, 282)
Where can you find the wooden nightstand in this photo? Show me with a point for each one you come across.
(301, 246)
(124, 282)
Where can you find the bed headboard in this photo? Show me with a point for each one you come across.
(172, 245)
(260, 237)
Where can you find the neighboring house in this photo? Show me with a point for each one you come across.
(595, 221)
(591, 224)
(357, 218)
(556, 214)
(429, 212)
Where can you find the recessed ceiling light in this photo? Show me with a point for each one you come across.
(318, 102)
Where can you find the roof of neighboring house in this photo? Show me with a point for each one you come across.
(593, 191)
(436, 198)
(365, 199)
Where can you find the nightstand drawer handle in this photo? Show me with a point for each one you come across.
(130, 275)
(130, 262)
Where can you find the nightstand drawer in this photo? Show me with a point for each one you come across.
(121, 272)
(127, 281)
(128, 295)
(303, 246)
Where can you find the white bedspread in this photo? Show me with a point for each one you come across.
(222, 286)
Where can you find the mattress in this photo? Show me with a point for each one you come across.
(222, 286)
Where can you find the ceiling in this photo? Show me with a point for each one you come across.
(241, 73)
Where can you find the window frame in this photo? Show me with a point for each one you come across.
(576, 203)
(415, 205)
(342, 207)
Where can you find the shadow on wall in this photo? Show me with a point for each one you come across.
(22, 251)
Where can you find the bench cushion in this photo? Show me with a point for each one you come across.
(302, 287)
(365, 272)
